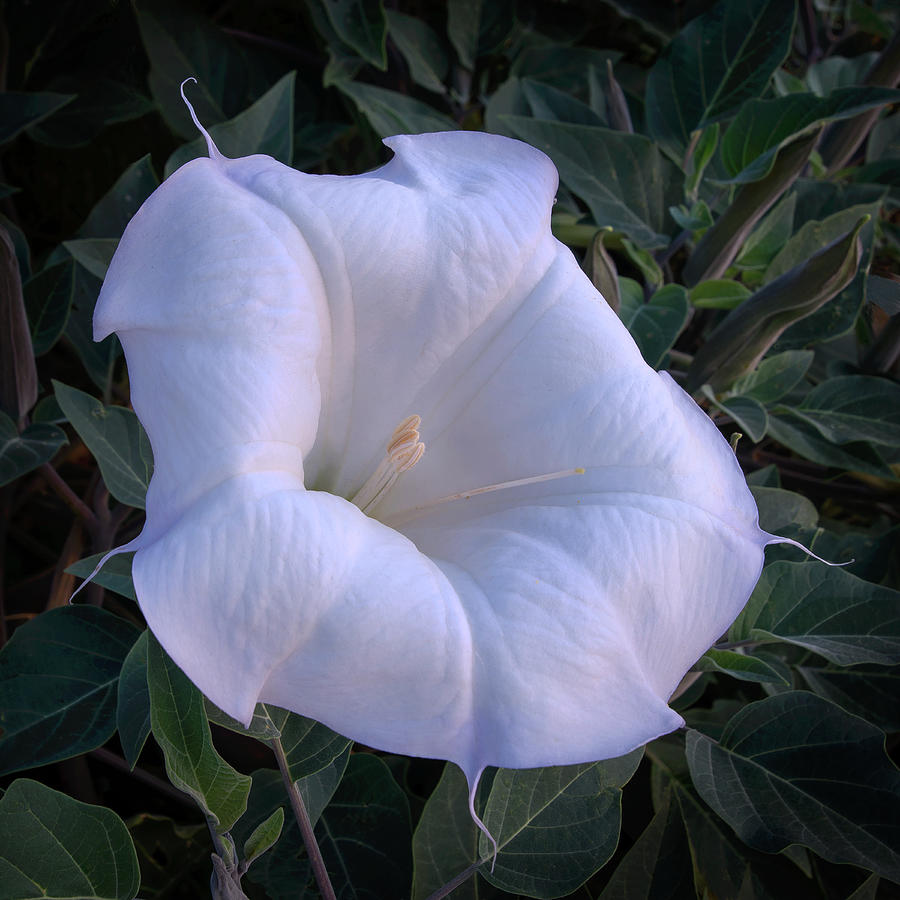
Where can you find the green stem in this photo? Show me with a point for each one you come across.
(306, 829)
(454, 883)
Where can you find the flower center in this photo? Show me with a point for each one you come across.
(404, 450)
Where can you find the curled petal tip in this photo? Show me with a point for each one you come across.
(777, 539)
(210, 143)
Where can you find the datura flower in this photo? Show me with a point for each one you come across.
(412, 477)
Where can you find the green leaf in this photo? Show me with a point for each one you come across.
(98, 102)
(744, 336)
(477, 27)
(180, 727)
(265, 127)
(555, 826)
(795, 768)
(718, 293)
(869, 692)
(421, 49)
(114, 576)
(308, 745)
(446, 839)
(625, 181)
(826, 610)
(655, 325)
(775, 376)
(22, 453)
(54, 846)
(98, 358)
(720, 60)
(802, 438)
(562, 65)
(658, 865)
(48, 299)
(114, 436)
(747, 413)
(261, 725)
(884, 139)
(58, 677)
(854, 408)
(600, 268)
(361, 25)
(763, 127)
(769, 237)
(837, 72)
(264, 836)
(115, 209)
(739, 665)
(550, 103)
(133, 701)
(20, 110)
(95, 254)
(390, 113)
(780, 509)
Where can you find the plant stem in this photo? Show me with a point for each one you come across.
(306, 829)
(69, 497)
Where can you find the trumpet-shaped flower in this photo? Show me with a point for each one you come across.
(412, 477)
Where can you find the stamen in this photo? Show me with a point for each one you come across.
(404, 450)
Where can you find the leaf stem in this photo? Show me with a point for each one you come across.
(455, 882)
(306, 829)
(69, 497)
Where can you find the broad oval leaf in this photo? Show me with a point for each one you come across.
(133, 701)
(869, 692)
(181, 729)
(795, 768)
(21, 109)
(308, 745)
(361, 25)
(775, 376)
(54, 846)
(835, 614)
(555, 826)
(48, 299)
(718, 61)
(780, 509)
(58, 678)
(114, 576)
(390, 112)
(116, 439)
(656, 324)
(739, 665)
(21, 453)
(625, 181)
(421, 48)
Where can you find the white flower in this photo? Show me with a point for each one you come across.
(280, 328)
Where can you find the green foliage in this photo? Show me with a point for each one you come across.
(730, 176)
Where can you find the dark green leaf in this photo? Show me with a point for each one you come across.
(884, 139)
(133, 702)
(869, 692)
(18, 373)
(56, 847)
(658, 865)
(739, 665)
(421, 49)
(171, 854)
(390, 113)
(261, 725)
(775, 376)
(116, 207)
(115, 437)
(795, 768)
(717, 62)
(22, 453)
(769, 237)
(843, 618)
(854, 408)
(97, 103)
(656, 324)
(802, 438)
(58, 677)
(552, 104)
(836, 72)
(48, 298)
(98, 358)
(563, 66)
(361, 25)
(264, 836)
(763, 127)
(601, 269)
(114, 576)
(265, 127)
(94, 254)
(625, 181)
(446, 839)
(554, 827)
(20, 110)
(180, 727)
(476, 27)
